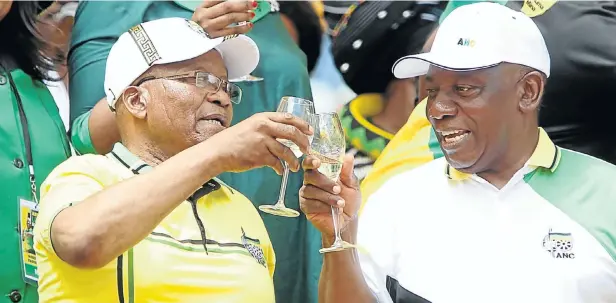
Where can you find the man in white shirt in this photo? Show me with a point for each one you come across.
(505, 216)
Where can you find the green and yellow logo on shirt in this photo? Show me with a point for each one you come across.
(560, 245)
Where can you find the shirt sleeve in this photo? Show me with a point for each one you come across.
(80, 135)
(376, 238)
(87, 60)
(57, 193)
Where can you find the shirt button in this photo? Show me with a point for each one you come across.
(2, 80)
(15, 296)
(18, 163)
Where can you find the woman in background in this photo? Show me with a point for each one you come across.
(366, 44)
(305, 28)
(32, 137)
(56, 25)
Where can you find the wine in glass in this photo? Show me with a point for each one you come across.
(303, 109)
(329, 145)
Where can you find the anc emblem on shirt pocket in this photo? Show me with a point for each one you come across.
(254, 248)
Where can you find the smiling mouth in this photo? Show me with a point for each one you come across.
(451, 138)
(217, 120)
(212, 121)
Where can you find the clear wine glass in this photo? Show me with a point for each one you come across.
(329, 147)
(303, 109)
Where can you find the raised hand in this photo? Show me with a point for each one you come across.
(252, 143)
(216, 16)
(319, 193)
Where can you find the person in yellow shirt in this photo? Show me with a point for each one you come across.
(150, 222)
(367, 41)
(413, 145)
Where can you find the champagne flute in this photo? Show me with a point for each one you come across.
(303, 109)
(329, 146)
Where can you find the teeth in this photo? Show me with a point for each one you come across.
(455, 139)
(215, 122)
(451, 132)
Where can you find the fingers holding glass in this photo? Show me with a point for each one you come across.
(304, 110)
(328, 146)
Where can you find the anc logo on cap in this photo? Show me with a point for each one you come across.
(145, 45)
(466, 42)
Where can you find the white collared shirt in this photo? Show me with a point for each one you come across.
(548, 236)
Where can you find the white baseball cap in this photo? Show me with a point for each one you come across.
(478, 36)
(171, 40)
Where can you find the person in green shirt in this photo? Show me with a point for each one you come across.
(283, 70)
(33, 142)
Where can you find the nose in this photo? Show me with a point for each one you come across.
(440, 108)
(220, 98)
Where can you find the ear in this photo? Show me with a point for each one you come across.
(531, 89)
(135, 100)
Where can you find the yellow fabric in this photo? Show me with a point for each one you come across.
(318, 9)
(545, 155)
(407, 150)
(164, 268)
(366, 106)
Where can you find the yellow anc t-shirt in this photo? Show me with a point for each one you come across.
(169, 265)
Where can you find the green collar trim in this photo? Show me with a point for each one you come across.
(126, 158)
(360, 133)
(121, 154)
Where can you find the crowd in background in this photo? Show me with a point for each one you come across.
(337, 53)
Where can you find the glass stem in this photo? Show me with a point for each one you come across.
(336, 218)
(283, 186)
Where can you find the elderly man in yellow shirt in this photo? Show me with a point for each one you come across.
(149, 222)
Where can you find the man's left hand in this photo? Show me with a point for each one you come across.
(320, 193)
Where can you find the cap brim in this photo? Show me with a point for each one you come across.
(240, 54)
(418, 65)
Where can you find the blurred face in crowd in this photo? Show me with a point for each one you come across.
(290, 26)
(478, 116)
(401, 94)
(176, 113)
(5, 7)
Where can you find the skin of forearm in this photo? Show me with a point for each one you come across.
(341, 277)
(99, 229)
